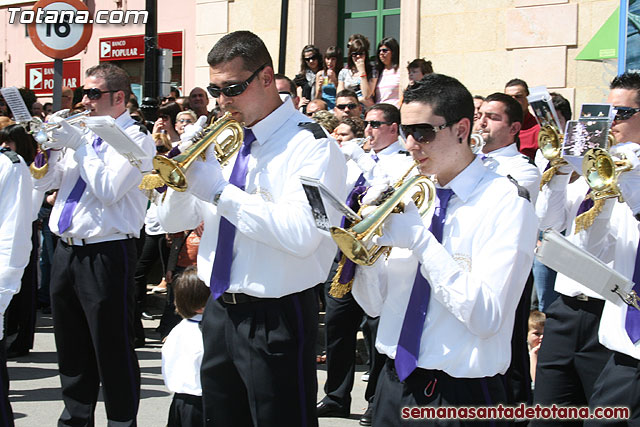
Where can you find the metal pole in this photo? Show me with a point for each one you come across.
(150, 88)
(57, 84)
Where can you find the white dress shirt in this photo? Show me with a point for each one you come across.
(111, 203)
(476, 275)
(152, 225)
(277, 248)
(509, 161)
(391, 164)
(182, 357)
(15, 228)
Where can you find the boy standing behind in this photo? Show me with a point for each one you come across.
(182, 352)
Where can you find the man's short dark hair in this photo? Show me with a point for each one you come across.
(389, 112)
(518, 82)
(447, 97)
(191, 293)
(171, 109)
(292, 85)
(561, 104)
(356, 124)
(240, 44)
(629, 81)
(346, 93)
(512, 108)
(115, 77)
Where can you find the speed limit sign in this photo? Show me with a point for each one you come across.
(59, 31)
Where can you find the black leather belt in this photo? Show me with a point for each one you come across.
(239, 298)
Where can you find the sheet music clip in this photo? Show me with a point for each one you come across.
(630, 298)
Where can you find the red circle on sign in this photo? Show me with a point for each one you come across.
(60, 53)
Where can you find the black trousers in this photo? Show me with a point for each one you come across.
(430, 388)
(21, 313)
(92, 301)
(571, 357)
(185, 411)
(6, 414)
(259, 362)
(618, 386)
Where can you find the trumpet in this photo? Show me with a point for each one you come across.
(550, 144)
(40, 132)
(477, 142)
(601, 172)
(225, 133)
(356, 242)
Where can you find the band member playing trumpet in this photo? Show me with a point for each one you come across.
(571, 358)
(447, 294)
(260, 253)
(98, 212)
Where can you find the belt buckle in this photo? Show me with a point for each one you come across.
(229, 298)
(582, 297)
(69, 240)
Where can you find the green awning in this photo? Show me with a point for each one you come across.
(604, 44)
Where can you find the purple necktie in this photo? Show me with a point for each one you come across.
(408, 347)
(632, 322)
(64, 222)
(221, 272)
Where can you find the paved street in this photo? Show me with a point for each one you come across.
(35, 385)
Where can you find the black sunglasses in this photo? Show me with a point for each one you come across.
(94, 93)
(383, 50)
(625, 113)
(311, 58)
(233, 90)
(423, 133)
(343, 106)
(355, 54)
(375, 124)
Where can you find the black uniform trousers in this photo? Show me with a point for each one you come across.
(342, 320)
(571, 357)
(618, 386)
(259, 362)
(21, 313)
(436, 389)
(6, 414)
(92, 302)
(185, 411)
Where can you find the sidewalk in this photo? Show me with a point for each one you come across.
(35, 386)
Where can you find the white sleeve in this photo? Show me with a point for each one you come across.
(179, 211)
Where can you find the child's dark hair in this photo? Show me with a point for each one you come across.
(191, 294)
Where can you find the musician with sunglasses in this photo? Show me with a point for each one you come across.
(574, 367)
(260, 253)
(447, 294)
(98, 213)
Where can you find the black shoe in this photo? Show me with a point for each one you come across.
(366, 418)
(325, 409)
(146, 316)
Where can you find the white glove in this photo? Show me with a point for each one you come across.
(62, 114)
(65, 136)
(565, 169)
(403, 230)
(351, 150)
(375, 192)
(629, 182)
(205, 180)
(190, 131)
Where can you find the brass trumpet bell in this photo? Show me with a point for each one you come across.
(549, 142)
(601, 173)
(356, 242)
(226, 134)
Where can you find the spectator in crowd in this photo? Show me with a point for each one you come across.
(418, 68)
(519, 90)
(326, 119)
(388, 81)
(477, 103)
(316, 105)
(47, 109)
(327, 78)
(184, 118)
(358, 76)
(182, 352)
(310, 65)
(198, 101)
(347, 105)
(534, 339)
(37, 110)
(286, 86)
(348, 129)
(166, 122)
(66, 100)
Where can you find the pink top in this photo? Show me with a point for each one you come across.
(388, 88)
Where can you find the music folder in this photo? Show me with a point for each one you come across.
(558, 253)
(319, 197)
(107, 129)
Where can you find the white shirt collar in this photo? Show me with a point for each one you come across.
(267, 126)
(466, 181)
(506, 151)
(388, 150)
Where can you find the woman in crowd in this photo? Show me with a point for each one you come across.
(358, 76)
(183, 119)
(166, 122)
(310, 65)
(388, 81)
(327, 78)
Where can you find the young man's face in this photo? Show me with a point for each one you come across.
(519, 93)
(493, 123)
(347, 106)
(109, 104)
(343, 133)
(625, 130)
